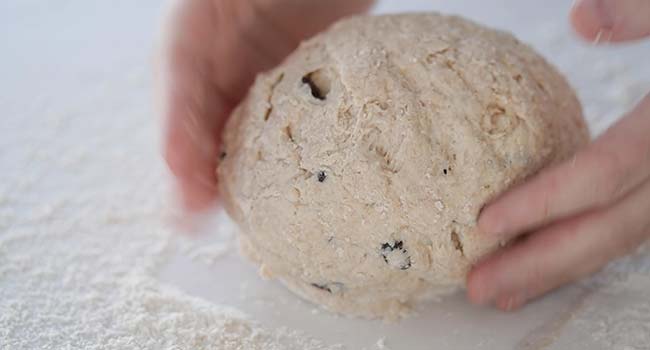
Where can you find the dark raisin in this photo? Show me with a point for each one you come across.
(444, 171)
(322, 286)
(222, 155)
(321, 176)
(395, 255)
(458, 244)
(333, 287)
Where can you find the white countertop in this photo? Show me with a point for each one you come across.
(75, 87)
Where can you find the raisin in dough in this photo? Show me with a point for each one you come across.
(357, 168)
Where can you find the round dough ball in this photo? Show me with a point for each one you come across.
(357, 168)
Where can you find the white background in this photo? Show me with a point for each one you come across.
(93, 59)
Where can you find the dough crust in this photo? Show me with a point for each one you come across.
(357, 168)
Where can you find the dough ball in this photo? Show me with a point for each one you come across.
(357, 168)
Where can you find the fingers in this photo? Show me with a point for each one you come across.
(214, 52)
(611, 20)
(192, 142)
(209, 66)
(195, 110)
(264, 32)
(304, 18)
(600, 174)
(562, 253)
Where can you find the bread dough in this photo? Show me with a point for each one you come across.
(357, 168)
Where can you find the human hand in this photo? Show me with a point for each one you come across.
(213, 52)
(580, 214)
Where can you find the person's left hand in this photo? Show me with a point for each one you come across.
(213, 50)
(573, 218)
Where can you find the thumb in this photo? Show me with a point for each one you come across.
(611, 20)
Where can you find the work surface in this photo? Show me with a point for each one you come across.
(88, 258)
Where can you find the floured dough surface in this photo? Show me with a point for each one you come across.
(356, 169)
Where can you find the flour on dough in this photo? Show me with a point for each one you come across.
(356, 169)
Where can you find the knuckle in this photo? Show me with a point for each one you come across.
(547, 192)
(610, 171)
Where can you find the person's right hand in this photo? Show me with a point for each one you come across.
(213, 51)
(572, 218)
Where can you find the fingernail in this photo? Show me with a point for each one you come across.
(599, 12)
(503, 303)
(510, 303)
(604, 36)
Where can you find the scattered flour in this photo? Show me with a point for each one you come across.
(85, 279)
(617, 313)
(613, 316)
(209, 248)
(208, 254)
(381, 343)
(621, 325)
(82, 200)
(156, 317)
(83, 203)
(611, 312)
